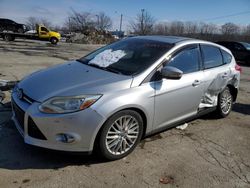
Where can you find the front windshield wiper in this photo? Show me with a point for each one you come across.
(112, 70)
(82, 60)
(99, 67)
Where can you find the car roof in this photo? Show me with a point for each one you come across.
(167, 39)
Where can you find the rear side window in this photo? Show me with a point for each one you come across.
(187, 60)
(227, 58)
(211, 56)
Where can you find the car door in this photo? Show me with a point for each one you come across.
(216, 74)
(44, 33)
(10, 25)
(178, 99)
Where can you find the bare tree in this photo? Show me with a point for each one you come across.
(33, 21)
(143, 23)
(80, 21)
(161, 28)
(230, 29)
(205, 31)
(46, 22)
(190, 28)
(206, 28)
(177, 28)
(245, 30)
(104, 22)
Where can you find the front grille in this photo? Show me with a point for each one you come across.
(19, 113)
(34, 131)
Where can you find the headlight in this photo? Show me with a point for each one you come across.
(58, 105)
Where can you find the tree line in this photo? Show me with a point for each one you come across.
(145, 24)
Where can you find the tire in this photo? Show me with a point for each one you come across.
(20, 30)
(225, 103)
(116, 141)
(8, 38)
(54, 40)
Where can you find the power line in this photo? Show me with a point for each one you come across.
(227, 16)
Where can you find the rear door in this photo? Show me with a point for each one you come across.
(178, 99)
(216, 74)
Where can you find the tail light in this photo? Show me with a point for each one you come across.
(238, 68)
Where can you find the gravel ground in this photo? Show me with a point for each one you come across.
(208, 153)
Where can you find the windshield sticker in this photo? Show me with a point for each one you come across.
(107, 57)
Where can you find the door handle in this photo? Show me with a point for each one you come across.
(225, 75)
(196, 83)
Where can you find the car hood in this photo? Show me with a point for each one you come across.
(71, 79)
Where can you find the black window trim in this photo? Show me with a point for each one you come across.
(188, 46)
(202, 55)
(223, 59)
(153, 74)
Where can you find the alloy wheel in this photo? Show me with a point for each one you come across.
(226, 101)
(122, 135)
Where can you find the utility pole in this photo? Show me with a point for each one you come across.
(121, 24)
(142, 20)
(98, 22)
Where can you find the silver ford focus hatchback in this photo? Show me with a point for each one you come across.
(112, 98)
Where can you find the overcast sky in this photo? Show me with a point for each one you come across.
(212, 11)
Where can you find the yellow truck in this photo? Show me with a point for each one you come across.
(42, 33)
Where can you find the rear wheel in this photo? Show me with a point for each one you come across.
(120, 134)
(8, 37)
(225, 103)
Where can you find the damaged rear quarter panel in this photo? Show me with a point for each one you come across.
(216, 79)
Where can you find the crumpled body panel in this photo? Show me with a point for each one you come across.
(217, 85)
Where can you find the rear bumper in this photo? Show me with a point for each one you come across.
(83, 126)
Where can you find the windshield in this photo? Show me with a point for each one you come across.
(129, 56)
(246, 45)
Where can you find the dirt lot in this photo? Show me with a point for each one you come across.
(208, 153)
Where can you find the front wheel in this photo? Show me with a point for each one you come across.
(225, 103)
(54, 40)
(20, 30)
(120, 134)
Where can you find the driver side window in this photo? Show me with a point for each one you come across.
(187, 60)
(44, 29)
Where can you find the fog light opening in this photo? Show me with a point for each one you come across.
(65, 138)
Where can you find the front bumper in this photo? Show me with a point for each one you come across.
(82, 125)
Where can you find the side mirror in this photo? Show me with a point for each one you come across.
(170, 72)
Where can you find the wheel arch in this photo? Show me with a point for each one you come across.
(136, 109)
(53, 37)
(233, 91)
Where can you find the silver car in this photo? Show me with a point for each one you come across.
(112, 98)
